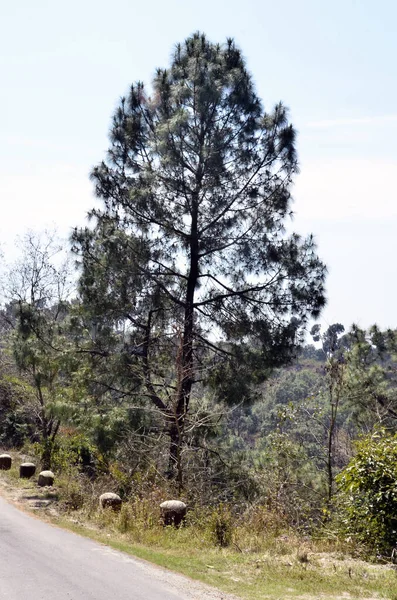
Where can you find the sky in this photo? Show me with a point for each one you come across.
(64, 66)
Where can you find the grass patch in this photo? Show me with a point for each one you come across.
(257, 575)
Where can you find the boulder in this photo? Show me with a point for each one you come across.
(46, 478)
(110, 500)
(27, 470)
(173, 512)
(5, 462)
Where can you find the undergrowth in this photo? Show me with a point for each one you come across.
(242, 548)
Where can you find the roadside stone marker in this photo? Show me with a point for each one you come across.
(5, 462)
(173, 512)
(27, 470)
(110, 500)
(46, 478)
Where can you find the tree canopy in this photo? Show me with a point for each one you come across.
(187, 265)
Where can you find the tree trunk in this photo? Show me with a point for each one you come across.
(175, 470)
(335, 388)
(46, 455)
(330, 474)
(185, 363)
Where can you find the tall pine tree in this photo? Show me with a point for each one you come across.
(187, 264)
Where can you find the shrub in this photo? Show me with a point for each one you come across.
(368, 493)
(73, 495)
(221, 526)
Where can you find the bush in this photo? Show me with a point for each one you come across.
(73, 491)
(15, 429)
(221, 526)
(76, 451)
(368, 494)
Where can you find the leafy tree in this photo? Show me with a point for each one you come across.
(37, 287)
(187, 271)
(331, 341)
(368, 493)
(16, 415)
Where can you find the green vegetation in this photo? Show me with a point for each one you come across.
(369, 493)
(176, 366)
(263, 559)
(195, 191)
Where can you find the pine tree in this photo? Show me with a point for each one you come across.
(188, 263)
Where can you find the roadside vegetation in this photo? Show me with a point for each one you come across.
(168, 356)
(252, 555)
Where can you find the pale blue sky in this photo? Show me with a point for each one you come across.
(65, 64)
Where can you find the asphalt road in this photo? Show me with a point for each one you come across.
(41, 562)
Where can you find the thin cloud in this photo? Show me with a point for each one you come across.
(328, 123)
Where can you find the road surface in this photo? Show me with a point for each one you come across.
(39, 561)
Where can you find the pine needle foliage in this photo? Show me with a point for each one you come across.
(188, 259)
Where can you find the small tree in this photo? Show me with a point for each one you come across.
(332, 347)
(187, 262)
(38, 286)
